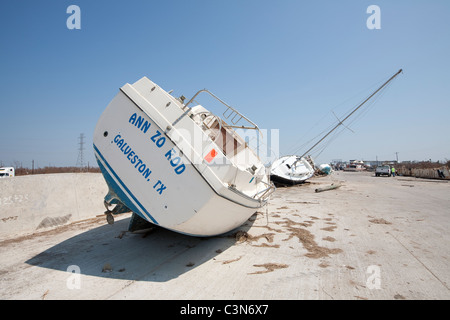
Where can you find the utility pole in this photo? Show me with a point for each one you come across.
(396, 154)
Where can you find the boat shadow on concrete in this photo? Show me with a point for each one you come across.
(110, 252)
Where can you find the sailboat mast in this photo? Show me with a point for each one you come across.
(341, 122)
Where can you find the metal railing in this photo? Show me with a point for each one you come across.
(266, 192)
(230, 112)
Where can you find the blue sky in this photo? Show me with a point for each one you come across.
(287, 65)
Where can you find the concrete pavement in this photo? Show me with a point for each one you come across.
(372, 238)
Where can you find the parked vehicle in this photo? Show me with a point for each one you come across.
(383, 170)
(6, 172)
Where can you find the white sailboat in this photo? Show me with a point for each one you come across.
(176, 166)
(292, 170)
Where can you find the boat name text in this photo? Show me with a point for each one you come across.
(159, 140)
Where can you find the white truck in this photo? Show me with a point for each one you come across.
(383, 170)
(6, 172)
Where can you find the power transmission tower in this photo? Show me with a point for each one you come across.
(80, 160)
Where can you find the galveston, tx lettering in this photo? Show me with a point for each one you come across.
(137, 162)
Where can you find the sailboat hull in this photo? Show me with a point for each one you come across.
(289, 170)
(285, 181)
(147, 172)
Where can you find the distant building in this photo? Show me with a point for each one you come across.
(374, 163)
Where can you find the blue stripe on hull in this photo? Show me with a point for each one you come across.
(121, 190)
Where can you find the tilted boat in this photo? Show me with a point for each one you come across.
(292, 170)
(176, 166)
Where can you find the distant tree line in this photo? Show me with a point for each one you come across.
(46, 170)
(425, 164)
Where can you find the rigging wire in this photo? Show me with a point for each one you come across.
(295, 149)
(353, 111)
(354, 120)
